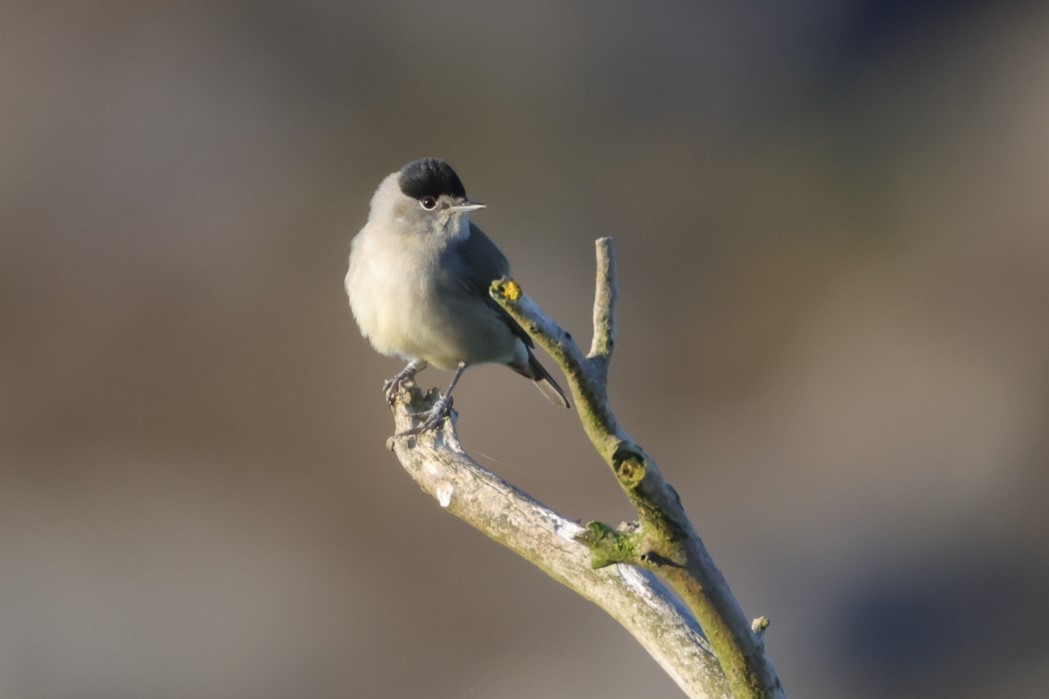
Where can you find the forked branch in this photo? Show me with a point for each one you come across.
(622, 570)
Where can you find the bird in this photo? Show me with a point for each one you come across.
(418, 280)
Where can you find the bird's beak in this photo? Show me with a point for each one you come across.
(466, 207)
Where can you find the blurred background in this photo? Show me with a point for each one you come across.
(834, 254)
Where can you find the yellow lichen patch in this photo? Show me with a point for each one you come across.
(511, 290)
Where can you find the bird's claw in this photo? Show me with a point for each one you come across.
(435, 415)
(392, 386)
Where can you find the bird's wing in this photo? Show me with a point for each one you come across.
(484, 263)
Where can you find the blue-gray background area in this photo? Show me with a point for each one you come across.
(832, 224)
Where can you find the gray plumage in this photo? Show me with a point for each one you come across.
(419, 276)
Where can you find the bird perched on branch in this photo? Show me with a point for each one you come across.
(418, 285)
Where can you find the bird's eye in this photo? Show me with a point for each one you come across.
(428, 203)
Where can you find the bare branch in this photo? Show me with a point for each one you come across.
(614, 568)
(604, 307)
(633, 597)
(666, 542)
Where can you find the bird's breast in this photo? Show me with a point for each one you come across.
(412, 303)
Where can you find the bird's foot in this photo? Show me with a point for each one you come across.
(392, 386)
(434, 417)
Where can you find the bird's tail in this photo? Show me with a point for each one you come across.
(544, 381)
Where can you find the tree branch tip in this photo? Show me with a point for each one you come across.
(411, 405)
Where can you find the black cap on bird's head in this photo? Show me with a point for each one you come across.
(430, 177)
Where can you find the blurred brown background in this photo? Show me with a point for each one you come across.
(834, 238)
